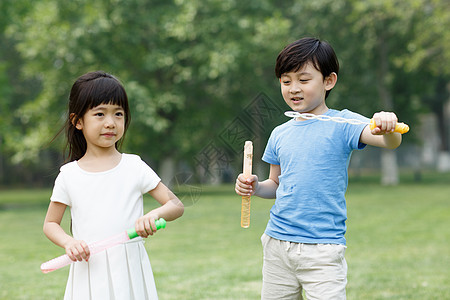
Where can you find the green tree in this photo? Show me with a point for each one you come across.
(373, 40)
(12, 91)
(183, 64)
(427, 56)
(190, 67)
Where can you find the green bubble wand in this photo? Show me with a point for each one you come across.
(97, 247)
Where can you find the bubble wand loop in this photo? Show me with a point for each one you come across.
(97, 247)
(400, 127)
(245, 206)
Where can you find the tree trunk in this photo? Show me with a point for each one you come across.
(443, 162)
(1, 162)
(442, 111)
(389, 167)
(167, 172)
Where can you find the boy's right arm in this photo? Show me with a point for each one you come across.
(251, 186)
(75, 249)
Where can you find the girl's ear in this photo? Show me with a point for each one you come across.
(330, 81)
(76, 121)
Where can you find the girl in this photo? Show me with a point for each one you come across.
(104, 190)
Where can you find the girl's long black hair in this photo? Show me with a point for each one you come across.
(89, 91)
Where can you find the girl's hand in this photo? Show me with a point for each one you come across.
(145, 225)
(385, 122)
(246, 187)
(77, 250)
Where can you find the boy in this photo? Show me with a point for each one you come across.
(304, 242)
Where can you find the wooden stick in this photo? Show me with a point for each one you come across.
(245, 207)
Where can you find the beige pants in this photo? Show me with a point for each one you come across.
(318, 269)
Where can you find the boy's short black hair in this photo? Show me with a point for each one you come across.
(297, 54)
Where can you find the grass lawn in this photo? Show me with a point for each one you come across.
(398, 244)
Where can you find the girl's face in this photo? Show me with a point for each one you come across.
(102, 126)
(304, 90)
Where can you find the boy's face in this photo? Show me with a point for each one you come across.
(304, 90)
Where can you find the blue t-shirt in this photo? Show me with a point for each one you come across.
(313, 156)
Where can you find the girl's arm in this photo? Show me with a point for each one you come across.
(382, 135)
(265, 189)
(171, 208)
(75, 249)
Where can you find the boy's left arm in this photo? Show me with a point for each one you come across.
(383, 135)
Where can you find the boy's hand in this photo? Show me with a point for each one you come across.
(145, 225)
(246, 187)
(385, 122)
(77, 250)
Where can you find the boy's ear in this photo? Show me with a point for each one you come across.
(75, 121)
(330, 81)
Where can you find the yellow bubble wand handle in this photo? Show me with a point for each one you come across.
(399, 127)
(247, 170)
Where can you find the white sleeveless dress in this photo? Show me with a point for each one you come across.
(104, 204)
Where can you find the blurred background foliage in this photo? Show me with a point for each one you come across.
(190, 67)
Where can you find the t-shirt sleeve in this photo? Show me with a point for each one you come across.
(270, 154)
(59, 193)
(149, 178)
(354, 132)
